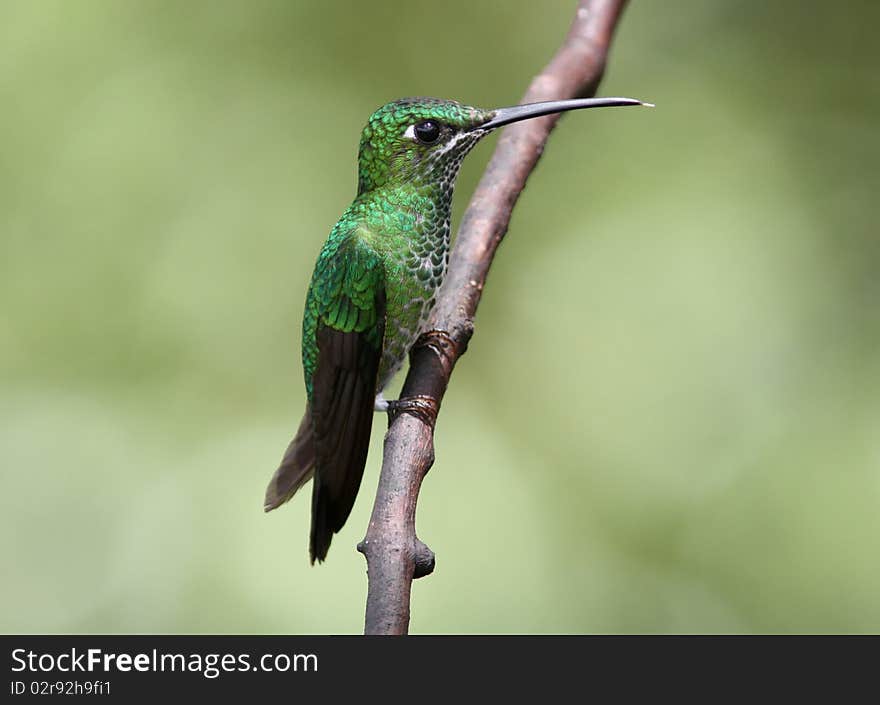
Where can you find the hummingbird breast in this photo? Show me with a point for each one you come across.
(413, 274)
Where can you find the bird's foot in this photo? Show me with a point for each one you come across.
(422, 407)
(381, 403)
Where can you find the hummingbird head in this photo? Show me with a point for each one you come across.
(422, 141)
(417, 141)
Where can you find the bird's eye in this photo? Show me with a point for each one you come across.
(427, 132)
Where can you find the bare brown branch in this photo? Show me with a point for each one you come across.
(394, 554)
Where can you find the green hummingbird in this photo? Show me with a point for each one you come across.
(373, 287)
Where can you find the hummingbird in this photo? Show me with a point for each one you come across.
(373, 287)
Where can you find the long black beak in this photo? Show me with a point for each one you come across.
(505, 116)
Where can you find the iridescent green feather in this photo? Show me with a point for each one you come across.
(343, 293)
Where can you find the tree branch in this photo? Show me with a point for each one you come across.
(394, 554)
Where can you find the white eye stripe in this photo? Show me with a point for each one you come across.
(410, 132)
(450, 144)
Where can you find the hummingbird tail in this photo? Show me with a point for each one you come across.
(297, 466)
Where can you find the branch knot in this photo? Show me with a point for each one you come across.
(422, 406)
(423, 560)
(442, 345)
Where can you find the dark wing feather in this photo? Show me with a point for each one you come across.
(296, 468)
(342, 414)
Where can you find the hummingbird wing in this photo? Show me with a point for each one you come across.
(349, 300)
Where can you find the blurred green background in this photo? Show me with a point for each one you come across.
(667, 420)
